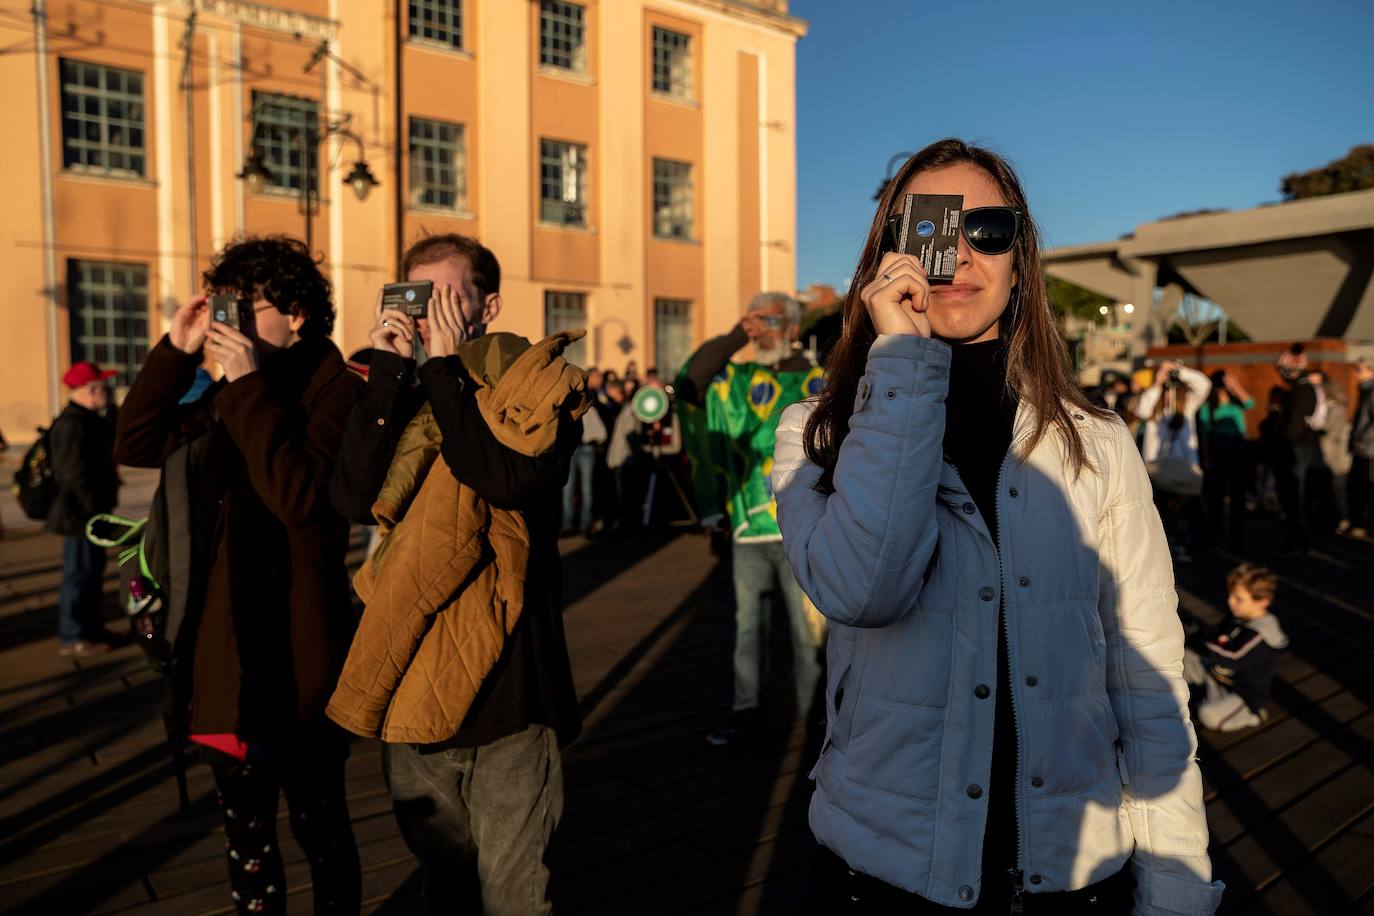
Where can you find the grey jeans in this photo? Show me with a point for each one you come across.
(479, 821)
(758, 567)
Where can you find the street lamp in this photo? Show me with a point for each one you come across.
(258, 175)
(891, 164)
(255, 172)
(308, 137)
(361, 179)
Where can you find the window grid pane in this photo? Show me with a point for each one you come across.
(437, 20)
(102, 119)
(438, 165)
(562, 34)
(672, 335)
(563, 183)
(565, 312)
(672, 199)
(108, 304)
(277, 124)
(672, 63)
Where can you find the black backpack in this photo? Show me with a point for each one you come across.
(34, 485)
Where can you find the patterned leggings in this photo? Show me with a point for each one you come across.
(313, 781)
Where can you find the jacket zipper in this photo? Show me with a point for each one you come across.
(1015, 874)
(1017, 906)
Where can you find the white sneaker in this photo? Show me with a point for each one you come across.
(1242, 719)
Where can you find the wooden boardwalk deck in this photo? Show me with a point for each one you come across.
(656, 822)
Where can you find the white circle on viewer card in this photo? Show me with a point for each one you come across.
(410, 295)
(925, 228)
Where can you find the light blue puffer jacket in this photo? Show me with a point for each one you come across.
(902, 564)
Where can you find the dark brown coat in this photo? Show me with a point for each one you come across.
(276, 617)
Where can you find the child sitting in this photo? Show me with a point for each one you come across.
(1238, 657)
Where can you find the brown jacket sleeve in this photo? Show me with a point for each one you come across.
(152, 424)
(289, 462)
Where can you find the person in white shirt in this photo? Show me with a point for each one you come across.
(1169, 408)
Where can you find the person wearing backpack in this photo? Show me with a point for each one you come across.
(81, 449)
(269, 616)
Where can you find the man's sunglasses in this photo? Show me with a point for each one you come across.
(988, 230)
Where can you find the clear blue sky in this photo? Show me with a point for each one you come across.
(1113, 114)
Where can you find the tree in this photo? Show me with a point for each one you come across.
(1354, 172)
(1199, 321)
(1071, 299)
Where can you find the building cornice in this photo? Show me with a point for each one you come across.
(763, 12)
(260, 16)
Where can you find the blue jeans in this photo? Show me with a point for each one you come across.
(81, 597)
(758, 567)
(580, 474)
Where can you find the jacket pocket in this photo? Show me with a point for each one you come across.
(895, 748)
(839, 662)
(1097, 639)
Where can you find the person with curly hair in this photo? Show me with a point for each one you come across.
(268, 614)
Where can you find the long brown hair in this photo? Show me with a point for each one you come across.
(1038, 366)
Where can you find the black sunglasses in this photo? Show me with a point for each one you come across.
(988, 230)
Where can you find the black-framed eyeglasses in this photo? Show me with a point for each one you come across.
(988, 230)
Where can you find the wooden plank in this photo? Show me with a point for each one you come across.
(1261, 854)
(692, 804)
(690, 888)
(214, 897)
(782, 891)
(1290, 738)
(1248, 803)
(1338, 875)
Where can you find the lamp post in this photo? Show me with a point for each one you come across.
(258, 174)
(887, 179)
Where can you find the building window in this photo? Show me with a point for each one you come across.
(672, 335)
(672, 199)
(438, 165)
(437, 20)
(672, 63)
(108, 307)
(563, 183)
(102, 119)
(565, 312)
(285, 131)
(562, 35)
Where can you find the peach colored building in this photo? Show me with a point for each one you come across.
(631, 163)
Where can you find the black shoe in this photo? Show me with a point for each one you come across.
(744, 728)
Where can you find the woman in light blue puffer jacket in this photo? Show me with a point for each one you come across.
(1008, 723)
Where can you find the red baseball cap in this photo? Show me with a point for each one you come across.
(84, 373)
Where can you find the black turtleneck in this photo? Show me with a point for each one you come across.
(978, 418)
(979, 413)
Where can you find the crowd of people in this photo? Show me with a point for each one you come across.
(967, 549)
(1308, 462)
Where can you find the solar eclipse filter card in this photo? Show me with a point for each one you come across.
(929, 229)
